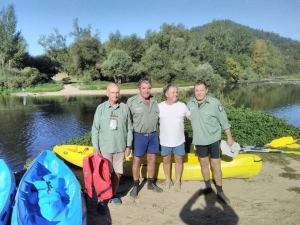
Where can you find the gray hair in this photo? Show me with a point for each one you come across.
(166, 88)
(144, 80)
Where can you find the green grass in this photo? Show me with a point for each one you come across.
(289, 169)
(296, 189)
(102, 85)
(50, 87)
(291, 176)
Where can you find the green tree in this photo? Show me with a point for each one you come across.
(12, 43)
(156, 64)
(177, 48)
(234, 69)
(117, 66)
(217, 36)
(206, 74)
(114, 42)
(55, 46)
(85, 54)
(241, 41)
(79, 32)
(133, 46)
(183, 70)
(275, 64)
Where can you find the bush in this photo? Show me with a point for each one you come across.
(248, 127)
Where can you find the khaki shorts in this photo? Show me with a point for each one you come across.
(116, 161)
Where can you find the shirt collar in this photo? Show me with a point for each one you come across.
(208, 99)
(109, 106)
(141, 99)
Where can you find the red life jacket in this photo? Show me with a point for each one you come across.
(96, 172)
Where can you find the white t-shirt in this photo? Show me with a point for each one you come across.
(171, 119)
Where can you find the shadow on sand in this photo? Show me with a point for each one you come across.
(213, 211)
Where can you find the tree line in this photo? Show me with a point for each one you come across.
(218, 52)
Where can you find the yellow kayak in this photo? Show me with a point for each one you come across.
(242, 166)
(73, 153)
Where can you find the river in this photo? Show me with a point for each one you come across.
(29, 125)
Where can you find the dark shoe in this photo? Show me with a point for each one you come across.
(153, 187)
(134, 191)
(116, 200)
(223, 198)
(101, 208)
(206, 191)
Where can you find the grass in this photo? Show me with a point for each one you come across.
(291, 176)
(296, 189)
(289, 169)
(50, 87)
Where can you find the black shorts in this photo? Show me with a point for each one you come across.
(213, 150)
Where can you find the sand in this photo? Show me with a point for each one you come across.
(70, 90)
(263, 199)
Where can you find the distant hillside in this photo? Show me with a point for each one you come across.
(289, 48)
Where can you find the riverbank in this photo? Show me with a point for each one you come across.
(70, 90)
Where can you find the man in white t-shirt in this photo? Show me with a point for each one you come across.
(171, 118)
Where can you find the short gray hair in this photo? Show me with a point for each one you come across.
(144, 80)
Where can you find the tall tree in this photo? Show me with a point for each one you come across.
(134, 47)
(275, 65)
(114, 42)
(12, 43)
(241, 41)
(234, 69)
(117, 66)
(155, 63)
(260, 57)
(55, 46)
(217, 36)
(79, 32)
(85, 54)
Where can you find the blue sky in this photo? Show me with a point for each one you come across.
(39, 17)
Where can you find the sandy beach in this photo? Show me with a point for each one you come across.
(263, 199)
(70, 90)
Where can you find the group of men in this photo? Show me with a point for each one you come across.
(117, 126)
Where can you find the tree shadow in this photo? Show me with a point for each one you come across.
(213, 211)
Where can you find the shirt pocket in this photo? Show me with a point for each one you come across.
(210, 120)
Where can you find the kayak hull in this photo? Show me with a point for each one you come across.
(7, 191)
(48, 194)
(242, 166)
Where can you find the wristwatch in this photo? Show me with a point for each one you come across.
(128, 147)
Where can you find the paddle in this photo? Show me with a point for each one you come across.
(282, 142)
(246, 149)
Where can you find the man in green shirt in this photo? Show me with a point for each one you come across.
(208, 119)
(112, 136)
(144, 112)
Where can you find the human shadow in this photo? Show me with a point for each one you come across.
(93, 217)
(213, 211)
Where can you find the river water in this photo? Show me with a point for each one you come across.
(29, 125)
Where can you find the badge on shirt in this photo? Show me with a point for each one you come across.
(113, 122)
(220, 108)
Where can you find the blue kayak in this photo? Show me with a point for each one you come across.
(7, 191)
(48, 194)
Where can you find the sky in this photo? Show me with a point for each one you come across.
(40, 17)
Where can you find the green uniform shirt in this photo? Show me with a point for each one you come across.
(109, 140)
(144, 119)
(208, 120)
